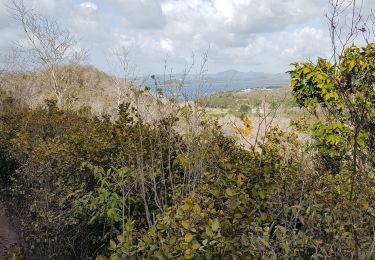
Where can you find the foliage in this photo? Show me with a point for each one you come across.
(342, 97)
(123, 187)
(242, 101)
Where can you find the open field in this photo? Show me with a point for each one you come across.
(265, 108)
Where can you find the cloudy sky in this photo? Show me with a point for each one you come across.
(247, 35)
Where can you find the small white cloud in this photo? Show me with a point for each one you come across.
(166, 45)
(89, 6)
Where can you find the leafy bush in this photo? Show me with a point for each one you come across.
(122, 187)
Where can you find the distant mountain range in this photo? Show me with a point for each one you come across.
(234, 77)
(229, 80)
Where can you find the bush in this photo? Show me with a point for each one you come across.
(122, 187)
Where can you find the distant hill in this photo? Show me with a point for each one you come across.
(228, 80)
(234, 75)
(231, 76)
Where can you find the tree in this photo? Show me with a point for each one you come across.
(49, 45)
(126, 77)
(347, 22)
(342, 96)
(342, 88)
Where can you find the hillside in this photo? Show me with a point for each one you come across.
(86, 87)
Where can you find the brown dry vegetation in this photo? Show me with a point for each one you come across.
(162, 179)
(88, 87)
(91, 169)
(264, 108)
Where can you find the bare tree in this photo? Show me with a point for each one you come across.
(347, 21)
(11, 63)
(48, 45)
(126, 76)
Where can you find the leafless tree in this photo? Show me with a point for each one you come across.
(126, 76)
(347, 21)
(49, 45)
(12, 63)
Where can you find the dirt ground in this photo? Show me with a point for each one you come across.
(9, 239)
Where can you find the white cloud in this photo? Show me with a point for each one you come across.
(305, 43)
(166, 45)
(140, 14)
(244, 34)
(90, 6)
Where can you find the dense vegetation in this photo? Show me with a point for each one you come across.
(122, 187)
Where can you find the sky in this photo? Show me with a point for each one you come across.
(246, 35)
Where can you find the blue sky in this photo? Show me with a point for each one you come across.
(247, 35)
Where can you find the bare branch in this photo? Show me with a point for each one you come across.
(346, 21)
(48, 44)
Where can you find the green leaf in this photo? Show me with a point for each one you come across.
(195, 245)
(215, 225)
(229, 192)
(112, 244)
(185, 224)
(188, 237)
(120, 238)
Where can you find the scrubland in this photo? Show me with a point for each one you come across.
(94, 166)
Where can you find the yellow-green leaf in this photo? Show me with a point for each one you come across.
(112, 244)
(188, 237)
(215, 225)
(185, 224)
(195, 245)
